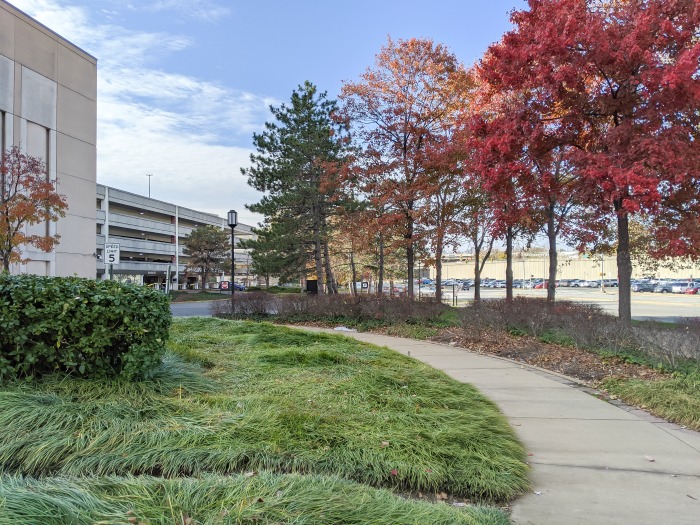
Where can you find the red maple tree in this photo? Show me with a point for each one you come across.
(27, 197)
(619, 83)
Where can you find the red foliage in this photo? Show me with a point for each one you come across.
(619, 81)
(619, 84)
(27, 197)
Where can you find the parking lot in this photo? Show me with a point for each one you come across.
(645, 305)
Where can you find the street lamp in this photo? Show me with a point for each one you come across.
(232, 222)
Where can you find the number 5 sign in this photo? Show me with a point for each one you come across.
(111, 253)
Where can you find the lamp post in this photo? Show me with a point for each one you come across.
(232, 222)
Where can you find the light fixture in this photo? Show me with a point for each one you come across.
(233, 222)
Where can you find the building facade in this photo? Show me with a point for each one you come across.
(570, 265)
(152, 235)
(48, 108)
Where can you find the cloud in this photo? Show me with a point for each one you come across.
(204, 10)
(193, 135)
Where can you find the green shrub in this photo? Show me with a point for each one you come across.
(83, 327)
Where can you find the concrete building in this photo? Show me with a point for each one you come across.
(151, 235)
(48, 94)
(570, 265)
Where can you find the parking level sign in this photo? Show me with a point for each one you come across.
(112, 253)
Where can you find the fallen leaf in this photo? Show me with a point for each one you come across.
(250, 474)
(441, 496)
(649, 458)
(691, 497)
(394, 472)
(385, 444)
(530, 454)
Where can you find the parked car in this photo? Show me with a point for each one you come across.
(682, 287)
(694, 289)
(642, 287)
(665, 287)
(238, 287)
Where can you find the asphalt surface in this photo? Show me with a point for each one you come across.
(191, 309)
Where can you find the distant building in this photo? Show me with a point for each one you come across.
(48, 94)
(151, 235)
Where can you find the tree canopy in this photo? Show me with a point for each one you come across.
(297, 164)
(208, 248)
(27, 197)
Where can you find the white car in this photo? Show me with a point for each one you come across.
(682, 287)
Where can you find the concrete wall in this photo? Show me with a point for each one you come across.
(537, 266)
(48, 97)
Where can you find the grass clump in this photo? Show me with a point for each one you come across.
(235, 397)
(676, 399)
(412, 331)
(246, 500)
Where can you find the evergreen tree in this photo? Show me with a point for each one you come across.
(297, 163)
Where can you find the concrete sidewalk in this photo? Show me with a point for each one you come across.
(593, 462)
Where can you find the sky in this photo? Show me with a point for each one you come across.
(184, 84)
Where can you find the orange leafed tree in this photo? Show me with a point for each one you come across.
(396, 110)
(27, 197)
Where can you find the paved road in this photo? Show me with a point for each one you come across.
(191, 309)
(592, 462)
(661, 307)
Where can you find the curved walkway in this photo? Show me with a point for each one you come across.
(593, 462)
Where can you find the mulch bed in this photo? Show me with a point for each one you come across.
(585, 366)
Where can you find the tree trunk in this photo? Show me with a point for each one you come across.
(552, 236)
(477, 271)
(318, 258)
(330, 281)
(353, 289)
(438, 270)
(380, 276)
(509, 264)
(624, 266)
(410, 255)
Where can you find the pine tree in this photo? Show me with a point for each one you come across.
(296, 165)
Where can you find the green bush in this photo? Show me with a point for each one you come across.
(83, 327)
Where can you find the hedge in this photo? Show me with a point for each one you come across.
(82, 327)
